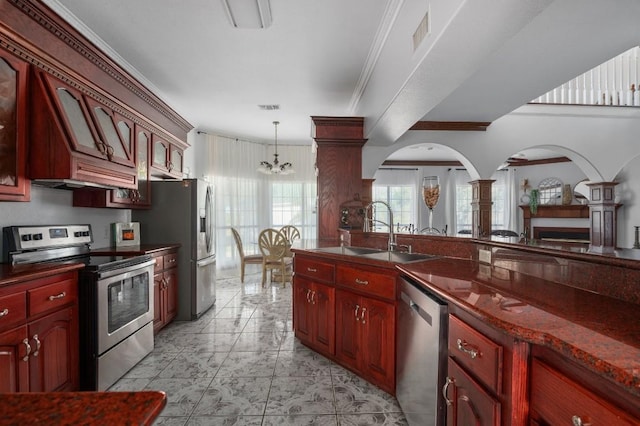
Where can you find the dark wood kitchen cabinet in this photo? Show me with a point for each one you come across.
(165, 288)
(167, 159)
(39, 335)
(76, 137)
(123, 198)
(14, 185)
(314, 314)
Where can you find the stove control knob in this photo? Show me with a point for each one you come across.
(37, 236)
(77, 234)
(26, 237)
(85, 233)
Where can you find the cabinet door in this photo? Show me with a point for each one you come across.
(14, 185)
(302, 313)
(323, 302)
(378, 354)
(110, 130)
(176, 160)
(158, 320)
(14, 370)
(348, 328)
(53, 364)
(470, 403)
(171, 294)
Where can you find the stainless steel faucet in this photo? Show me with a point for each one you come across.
(366, 227)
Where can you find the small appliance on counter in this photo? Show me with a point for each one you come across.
(183, 212)
(125, 234)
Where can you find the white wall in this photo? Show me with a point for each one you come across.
(54, 207)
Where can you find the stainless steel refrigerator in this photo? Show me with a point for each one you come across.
(183, 212)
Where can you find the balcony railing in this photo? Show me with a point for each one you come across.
(616, 82)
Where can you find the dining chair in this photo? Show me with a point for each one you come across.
(291, 233)
(245, 259)
(273, 246)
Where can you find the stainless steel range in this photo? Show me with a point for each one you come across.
(115, 298)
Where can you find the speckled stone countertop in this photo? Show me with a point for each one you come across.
(81, 408)
(133, 250)
(598, 332)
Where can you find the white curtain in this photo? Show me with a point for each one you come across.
(505, 203)
(457, 210)
(243, 195)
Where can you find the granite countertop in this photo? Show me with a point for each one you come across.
(133, 250)
(81, 408)
(12, 274)
(598, 332)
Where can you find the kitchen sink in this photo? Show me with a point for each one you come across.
(376, 254)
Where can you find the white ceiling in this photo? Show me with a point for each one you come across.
(482, 59)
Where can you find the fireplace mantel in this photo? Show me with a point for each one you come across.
(571, 211)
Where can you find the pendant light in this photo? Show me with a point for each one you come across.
(276, 168)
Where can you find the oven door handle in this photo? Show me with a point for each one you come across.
(121, 271)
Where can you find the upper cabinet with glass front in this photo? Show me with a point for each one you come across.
(167, 159)
(14, 186)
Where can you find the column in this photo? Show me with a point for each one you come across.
(481, 207)
(602, 214)
(339, 162)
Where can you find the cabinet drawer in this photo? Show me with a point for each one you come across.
(311, 268)
(51, 296)
(159, 266)
(372, 283)
(13, 309)
(480, 356)
(170, 260)
(556, 400)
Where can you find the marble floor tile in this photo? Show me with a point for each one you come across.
(235, 312)
(214, 342)
(300, 420)
(261, 325)
(182, 394)
(228, 396)
(249, 364)
(170, 421)
(300, 395)
(151, 365)
(225, 325)
(382, 419)
(258, 342)
(225, 421)
(130, 385)
(355, 395)
(303, 362)
(194, 365)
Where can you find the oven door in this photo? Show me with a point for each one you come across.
(125, 303)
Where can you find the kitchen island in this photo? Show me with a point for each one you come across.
(552, 346)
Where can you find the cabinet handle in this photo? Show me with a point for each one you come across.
(356, 313)
(467, 349)
(109, 152)
(311, 269)
(28, 347)
(577, 421)
(58, 296)
(35, 337)
(308, 296)
(361, 282)
(445, 389)
(313, 297)
(172, 260)
(362, 313)
(169, 166)
(4, 312)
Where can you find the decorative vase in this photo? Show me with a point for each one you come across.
(533, 201)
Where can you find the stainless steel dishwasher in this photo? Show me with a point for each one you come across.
(421, 365)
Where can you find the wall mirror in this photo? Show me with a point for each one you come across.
(550, 191)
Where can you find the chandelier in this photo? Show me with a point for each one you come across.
(276, 168)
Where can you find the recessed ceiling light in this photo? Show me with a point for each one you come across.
(269, 107)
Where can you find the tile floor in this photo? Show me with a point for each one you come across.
(240, 364)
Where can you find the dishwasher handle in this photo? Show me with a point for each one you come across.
(416, 308)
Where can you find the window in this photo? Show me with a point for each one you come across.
(401, 199)
(464, 211)
(293, 203)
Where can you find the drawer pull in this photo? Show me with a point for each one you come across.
(311, 269)
(577, 421)
(445, 389)
(28, 347)
(356, 313)
(467, 349)
(362, 282)
(4, 312)
(37, 351)
(58, 296)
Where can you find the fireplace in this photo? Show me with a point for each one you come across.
(567, 234)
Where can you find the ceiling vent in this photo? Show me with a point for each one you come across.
(422, 31)
(269, 107)
(248, 13)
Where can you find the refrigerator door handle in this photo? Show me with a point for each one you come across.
(206, 261)
(208, 219)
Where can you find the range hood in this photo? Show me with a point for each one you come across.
(69, 184)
